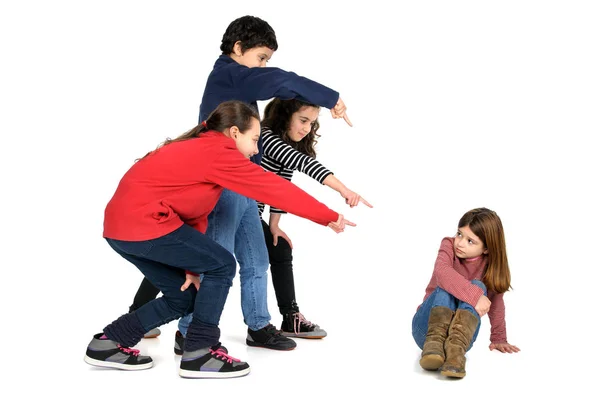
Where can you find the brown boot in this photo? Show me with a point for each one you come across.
(433, 356)
(460, 334)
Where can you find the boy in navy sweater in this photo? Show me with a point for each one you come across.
(240, 73)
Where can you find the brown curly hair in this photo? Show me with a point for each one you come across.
(278, 115)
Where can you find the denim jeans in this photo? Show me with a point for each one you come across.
(440, 297)
(163, 262)
(235, 224)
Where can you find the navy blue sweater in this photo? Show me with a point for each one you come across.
(232, 81)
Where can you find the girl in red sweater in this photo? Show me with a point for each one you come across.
(157, 219)
(469, 279)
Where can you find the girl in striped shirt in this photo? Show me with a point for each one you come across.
(469, 279)
(289, 135)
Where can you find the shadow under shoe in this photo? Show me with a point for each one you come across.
(433, 357)
(459, 339)
(110, 354)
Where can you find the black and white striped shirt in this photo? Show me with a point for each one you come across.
(280, 158)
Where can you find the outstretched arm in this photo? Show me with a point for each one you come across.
(260, 84)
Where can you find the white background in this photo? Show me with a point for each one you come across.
(455, 105)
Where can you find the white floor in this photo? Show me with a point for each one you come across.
(455, 105)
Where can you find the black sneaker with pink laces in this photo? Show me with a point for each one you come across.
(110, 354)
(211, 363)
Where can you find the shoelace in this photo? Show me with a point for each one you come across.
(219, 353)
(300, 320)
(128, 350)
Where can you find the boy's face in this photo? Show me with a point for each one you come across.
(256, 57)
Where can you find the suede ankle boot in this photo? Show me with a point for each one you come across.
(433, 356)
(460, 334)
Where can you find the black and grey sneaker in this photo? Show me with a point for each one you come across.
(110, 354)
(152, 333)
(296, 325)
(179, 341)
(211, 363)
(269, 337)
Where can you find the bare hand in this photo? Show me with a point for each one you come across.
(189, 279)
(278, 232)
(353, 199)
(340, 224)
(504, 347)
(483, 305)
(339, 111)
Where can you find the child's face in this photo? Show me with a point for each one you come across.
(302, 122)
(256, 57)
(467, 244)
(246, 141)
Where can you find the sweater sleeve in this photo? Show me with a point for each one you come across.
(497, 321)
(231, 170)
(260, 84)
(450, 280)
(281, 152)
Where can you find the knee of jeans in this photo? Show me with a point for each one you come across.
(480, 284)
(440, 290)
(183, 302)
(228, 270)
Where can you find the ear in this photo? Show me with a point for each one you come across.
(234, 132)
(237, 48)
(485, 251)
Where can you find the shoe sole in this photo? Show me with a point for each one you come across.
(255, 344)
(115, 365)
(192, 374)
(152, 336)
(458, 375)
(431, 362)
(304, 335)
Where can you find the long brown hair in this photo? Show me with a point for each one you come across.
(226, 115)
(278, 116)
(487, 226)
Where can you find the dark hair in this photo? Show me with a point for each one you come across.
(278, 115)
(226, 115)
(251, 32)
(487, 226)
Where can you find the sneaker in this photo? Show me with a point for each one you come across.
(211, 363)
(269, 337)
(180, 340)
(296, 325)
(152, 333)
(110, 354)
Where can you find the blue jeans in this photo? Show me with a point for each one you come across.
(235, 224)
(442, 298)
(163, 262)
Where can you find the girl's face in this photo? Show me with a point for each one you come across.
(246, 141)
(467, 244)
(302, 122)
